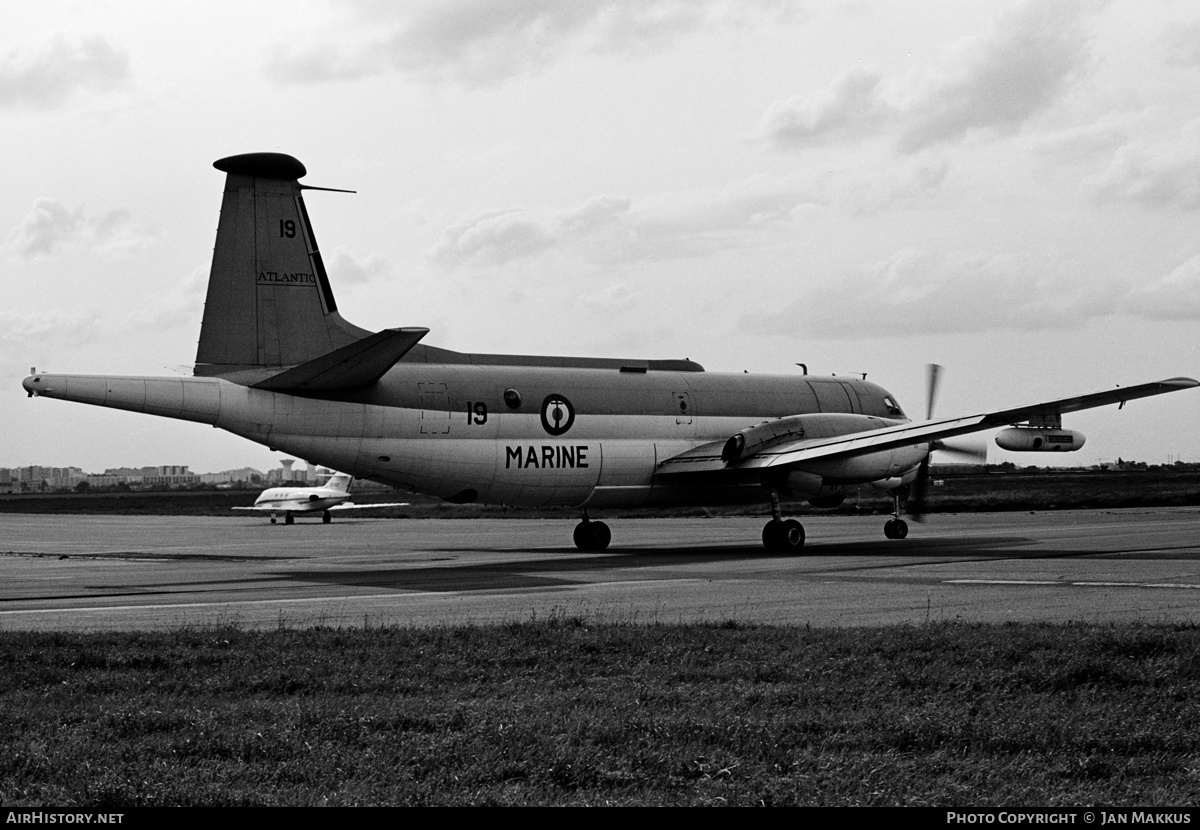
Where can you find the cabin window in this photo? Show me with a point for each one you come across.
(512, 398)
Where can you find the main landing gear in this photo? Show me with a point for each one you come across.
(592, 536)
(895, 527)
(779, 534)
(326, 517)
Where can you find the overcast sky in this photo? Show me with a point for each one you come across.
(1010, 189)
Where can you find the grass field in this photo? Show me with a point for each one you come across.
(562, 711)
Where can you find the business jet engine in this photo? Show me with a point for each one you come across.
(1040, 439)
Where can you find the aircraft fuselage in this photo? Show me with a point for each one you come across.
(528, 435)
(304, 499)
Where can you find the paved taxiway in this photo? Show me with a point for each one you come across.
(71, 572)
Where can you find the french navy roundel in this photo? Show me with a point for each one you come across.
(557, 414)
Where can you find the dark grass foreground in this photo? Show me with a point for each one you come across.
(566, 712)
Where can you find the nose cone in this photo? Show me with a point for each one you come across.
(32, 384)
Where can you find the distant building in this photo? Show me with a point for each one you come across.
(35, 478)
(38, 479)
(310, 474)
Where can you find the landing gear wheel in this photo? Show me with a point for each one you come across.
(895, 529)
(289, 520)
(592, 536)
(272, 520)
(786, 536)
(326, 518)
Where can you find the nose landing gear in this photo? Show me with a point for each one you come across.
(895, 527)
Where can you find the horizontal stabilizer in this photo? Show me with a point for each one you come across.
(351, 367)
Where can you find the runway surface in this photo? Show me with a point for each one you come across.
(72, 572)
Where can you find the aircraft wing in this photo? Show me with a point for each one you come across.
(349, 505)
(306, 507)
(707, 458)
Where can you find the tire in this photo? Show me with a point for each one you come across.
(601, 535)
(792, 537)
(592, 536)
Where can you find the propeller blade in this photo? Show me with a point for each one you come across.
(933, 375)
(916, 495)
(968, 452)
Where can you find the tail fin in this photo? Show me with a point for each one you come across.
(269, 303)
(340, 481)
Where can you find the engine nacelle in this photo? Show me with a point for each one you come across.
(1040, 439)
(753, 440)
(750, 440)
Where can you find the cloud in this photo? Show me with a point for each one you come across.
(615, 297)
(477, 42)
(492, 238)
(48, 75)
(852, 106)
(1160, 173)
(596, 213)
(999, 81)
(47, 228)
(116, 236)
(1086, 144)
(1175, 296)
(50, 228)
(37, 336)
(988, 84)
(919, 292)
(345, 267)
(609, 229)
(178, 306)
(1183, 44)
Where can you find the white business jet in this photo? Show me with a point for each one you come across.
(332, 495)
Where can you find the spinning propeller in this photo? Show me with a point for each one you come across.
(975, 453)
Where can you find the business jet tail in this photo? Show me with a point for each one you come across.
(339, 481)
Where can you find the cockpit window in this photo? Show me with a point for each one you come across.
(893, 408)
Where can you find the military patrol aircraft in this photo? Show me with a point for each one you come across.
(332, 495)
(278, 364)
